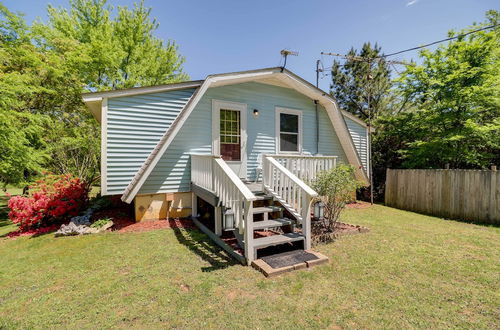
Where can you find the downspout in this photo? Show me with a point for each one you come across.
(316, 107)
(317, 126)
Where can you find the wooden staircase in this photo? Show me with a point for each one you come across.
(268, 218)
(258, 209)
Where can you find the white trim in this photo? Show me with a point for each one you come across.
(298, 113)
(354, 118)
(104, 146)
(217, 105)
(368, 153)
(89, 97)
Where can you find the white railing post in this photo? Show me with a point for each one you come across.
(306, 220)
(248, 235)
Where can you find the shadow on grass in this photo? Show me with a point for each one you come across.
(201, 245)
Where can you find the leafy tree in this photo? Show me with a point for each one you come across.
(361, 84)
(457, 93)
(45, 68)
(109, 52)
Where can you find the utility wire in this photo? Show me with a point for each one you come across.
(439, 41)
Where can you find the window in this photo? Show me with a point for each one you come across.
(230, 135)
(289, 124)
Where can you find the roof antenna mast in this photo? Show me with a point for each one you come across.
(285, 54)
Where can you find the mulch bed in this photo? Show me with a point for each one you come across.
(124, 221)
(320, 236)
(33, 232)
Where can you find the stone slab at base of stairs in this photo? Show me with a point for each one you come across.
(269, 271)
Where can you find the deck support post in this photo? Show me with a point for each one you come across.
(248, 218)
(218, 220)
(306, 221)
(194, 205)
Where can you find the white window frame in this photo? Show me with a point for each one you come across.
(280, 110)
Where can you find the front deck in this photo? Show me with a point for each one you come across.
(258, 216)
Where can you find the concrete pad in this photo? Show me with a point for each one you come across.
(322, 259)
(302, 265)
(268, 271)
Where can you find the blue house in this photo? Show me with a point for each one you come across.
(234, 151)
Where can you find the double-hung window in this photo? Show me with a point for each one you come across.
(289, 130)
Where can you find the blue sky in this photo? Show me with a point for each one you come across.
(223, 36)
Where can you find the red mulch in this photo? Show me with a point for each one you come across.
(358, 205)
(123, 221)
(33, 232)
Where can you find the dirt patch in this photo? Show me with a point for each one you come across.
(359, 205)
(320, 235)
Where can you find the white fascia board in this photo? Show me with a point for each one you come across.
(354, 118)
(141, 90)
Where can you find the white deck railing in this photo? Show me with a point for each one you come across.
(293, 193)
(306, 167)
(213, 174)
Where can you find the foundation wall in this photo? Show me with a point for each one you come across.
(150, 207)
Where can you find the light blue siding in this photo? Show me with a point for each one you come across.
(359, 137)
(172, 173)
(135, 124)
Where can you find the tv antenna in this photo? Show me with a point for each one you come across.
(285, 53)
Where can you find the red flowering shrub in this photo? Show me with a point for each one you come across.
(51, 199)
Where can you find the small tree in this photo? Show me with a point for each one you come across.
(335, 188)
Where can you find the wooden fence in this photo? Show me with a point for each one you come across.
(472, 195)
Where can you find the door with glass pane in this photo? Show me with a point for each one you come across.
(229, 134)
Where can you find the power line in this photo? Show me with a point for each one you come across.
(366, 59)
(439, 41)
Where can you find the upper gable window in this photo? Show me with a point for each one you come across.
(289, 130)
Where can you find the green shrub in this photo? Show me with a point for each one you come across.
(335, 188)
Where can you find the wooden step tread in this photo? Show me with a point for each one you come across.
(277, 239)
(263, 197)
(266, 209)
(257, 225)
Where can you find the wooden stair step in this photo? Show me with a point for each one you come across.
(277, 240)
(266, 209)
(258, 225)
(263, 197)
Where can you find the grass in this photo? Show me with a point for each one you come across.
(410, 271)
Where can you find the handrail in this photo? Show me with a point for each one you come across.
(301, 156)
(247, 193)
(306, 167)
(212, 173)
(308, 190)
(293, 193)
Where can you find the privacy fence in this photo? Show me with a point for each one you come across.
(472, 195)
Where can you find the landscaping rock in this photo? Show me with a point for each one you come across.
(80, 225)
(72, 229)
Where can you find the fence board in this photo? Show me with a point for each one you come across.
(471, 195)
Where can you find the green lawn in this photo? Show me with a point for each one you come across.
(410, 271)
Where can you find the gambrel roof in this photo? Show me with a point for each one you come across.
(274, 76)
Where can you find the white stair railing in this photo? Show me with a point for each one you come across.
(306, 167)
(212, 173)
(293, 193)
